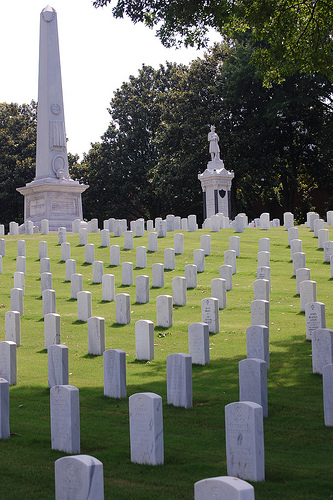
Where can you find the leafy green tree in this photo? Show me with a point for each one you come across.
(292, 35)
(279, 139)
(18, 129)
(119, 169)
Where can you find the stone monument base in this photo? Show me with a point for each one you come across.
(216, 185)
(57, 200)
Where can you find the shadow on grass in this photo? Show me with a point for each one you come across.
(78, 322)
(43, 351)
(86, 264)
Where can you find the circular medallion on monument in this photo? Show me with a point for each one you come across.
(48, 14)
(55, 108)
(58, 166)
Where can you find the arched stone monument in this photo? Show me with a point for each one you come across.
(52, 194)
(215, 181)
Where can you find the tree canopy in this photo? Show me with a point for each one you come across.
(18, 129)
(277, 139)
(290, 35)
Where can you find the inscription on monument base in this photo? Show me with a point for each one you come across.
(64, 206)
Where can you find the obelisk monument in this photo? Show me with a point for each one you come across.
(52, 194)
(215, 181)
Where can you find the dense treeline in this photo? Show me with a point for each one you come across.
(277, 140)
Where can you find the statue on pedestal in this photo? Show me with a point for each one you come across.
(214, 148)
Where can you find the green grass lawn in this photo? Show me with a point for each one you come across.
(298, 446)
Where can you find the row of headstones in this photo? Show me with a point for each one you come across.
(84, 475)
(315, 320)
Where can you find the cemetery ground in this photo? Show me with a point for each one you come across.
(298, 446)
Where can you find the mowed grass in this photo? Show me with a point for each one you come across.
(298, 446)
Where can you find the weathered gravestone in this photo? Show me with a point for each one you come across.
(65, 418)
(76, 284)
(144, 340)
(146, 428)
(298, 261)
(328, 394)
(141, 257)
(302, 274)
(142, 289)
(152, 242)
(164, 312)
(264, 221)
(295, 246)
(245, 441)
(191, 275)
(16, 300)
(51, 329)
(123, 308)
(263, 259)
(288, 220)
(169, 259)
(223, 488)
(70, 267)
(179, 380)
(179, 290)
(45, 282)
(158, 275)
(114, 255)
(253, 382)
(230, 260)
(322, 349)
(13, 327)
(114, 368)
(89, 252)
(225, 272)
(20, 248)
(210, 314)
(264, 273)
(261, 290)
(308, 293)
(178, 243)
(260, 312)
(205, 243)
(128, 240)
(42, 249)
(199, 259)
(323, 236)
(83, 236)
(198, 341)
(127, 273)
(45, 265)
(292, 234)
(108, 287)
(257, 343)
(8, 361)
(219, 291)
(79, 477)
(49, 301)
(328, 250)
(105, 238)
(4, 409)
(97, 271)
(57, 363)
(314, 317)
(21, 264)
(234, 244)
(264, 245)
(96, 335)
(65, 251)
(84, 307)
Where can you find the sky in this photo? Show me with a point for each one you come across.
(97, 54)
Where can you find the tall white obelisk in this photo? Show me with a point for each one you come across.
(52, 194)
